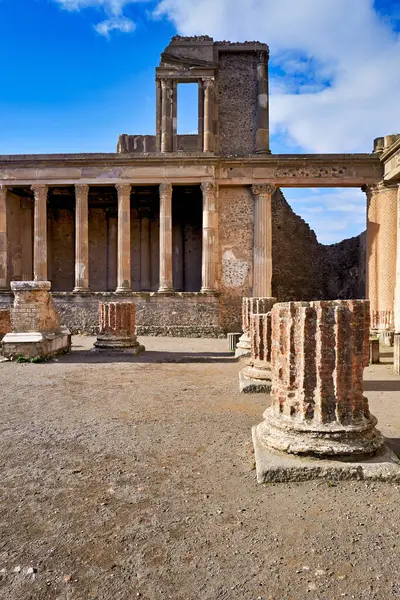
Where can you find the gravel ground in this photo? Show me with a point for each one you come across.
(127, 478)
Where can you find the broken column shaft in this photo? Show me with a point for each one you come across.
(250, 306)
(117, 326)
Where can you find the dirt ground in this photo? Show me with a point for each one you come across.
(126, 478)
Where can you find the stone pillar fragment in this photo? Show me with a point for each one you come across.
(40, 232)
(124, 238)
(381, 255)
(262, 271)
(256, 376)
(208, 143)
(319, 351)
(166, 238)
(117, 327)
(209, 254)
(81, 238)
(35, 323)
(262, 132)
(3, 238)
(250, 306)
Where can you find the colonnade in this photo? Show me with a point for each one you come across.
(124, 284)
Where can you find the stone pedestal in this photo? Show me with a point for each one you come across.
(251, 306)
(319, 351)
(35, 323)
(256, 376)
(117, 327)
(396, 353)
(374, 358)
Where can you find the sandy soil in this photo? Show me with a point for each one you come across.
(127, 478)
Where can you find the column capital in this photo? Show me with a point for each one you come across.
(165, 189)
(82, 188)
(123, 188)
(209, 187)
(208, 81)
(39, 188)
(264, 189)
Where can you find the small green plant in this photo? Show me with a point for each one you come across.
(35, 359)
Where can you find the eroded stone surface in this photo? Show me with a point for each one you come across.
(251, 306)
(256, 376)
(319, 351)
(117, 326)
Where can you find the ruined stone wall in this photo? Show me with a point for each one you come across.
(235, 215)
(237, 102)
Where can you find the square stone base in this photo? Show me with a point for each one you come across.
(35, 344)
(254, 386)
(109, 351)
(279, 467)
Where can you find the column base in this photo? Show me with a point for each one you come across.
(255, 378)
(81, 290)
(205, 290)
(123, 290)
(279, 467)
(243, 347)
(166, 291)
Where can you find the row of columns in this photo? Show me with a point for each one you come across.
(166, 114)
(40, 191)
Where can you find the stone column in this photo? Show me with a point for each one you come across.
(256, 376)
(262, 261)
(208, 144)
(166, 115)
(40, 232)
(124, 238)
(145, 252)
(158, 115)
(166, 285)
(201, 116)
(319, 351)
(26, 239)
(262, 132)
(81, 238)
(381, 255)
(3, 238)
(397, 294)
(209, 254)
(117, 327)
(250, 306)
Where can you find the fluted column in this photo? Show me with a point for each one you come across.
(81, 238)
(262, 132)
(262, 261)
(251, 306)
(319, 351)
(166, 115)
(124, 238)
(166, 238)
(40, 232)
(396, 349)
(3, 237)
(381, 254)
(209, 254)
(208, 144)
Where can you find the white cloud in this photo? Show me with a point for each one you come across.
(345, 42)
(113, 9)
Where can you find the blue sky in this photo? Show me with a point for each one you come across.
(77, 73)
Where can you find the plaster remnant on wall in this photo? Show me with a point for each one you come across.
(234, 272)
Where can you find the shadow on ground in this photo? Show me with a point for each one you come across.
(150, 356)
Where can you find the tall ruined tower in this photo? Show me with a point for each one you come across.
(233, 115)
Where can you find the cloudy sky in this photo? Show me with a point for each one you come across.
(76, 73)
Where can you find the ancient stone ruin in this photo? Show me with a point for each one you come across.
(117, 327)
(319, 351)
(250, 306)
(256, 376)
(36, 331)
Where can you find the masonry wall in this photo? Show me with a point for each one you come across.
(237, 102)
(61, 247)
(236, 213)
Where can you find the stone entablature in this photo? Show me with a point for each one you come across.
(352, 170)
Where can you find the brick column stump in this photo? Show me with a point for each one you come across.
(117, 327)
(36, 331)
(256, 376)
(250, 306)
(319, 424)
